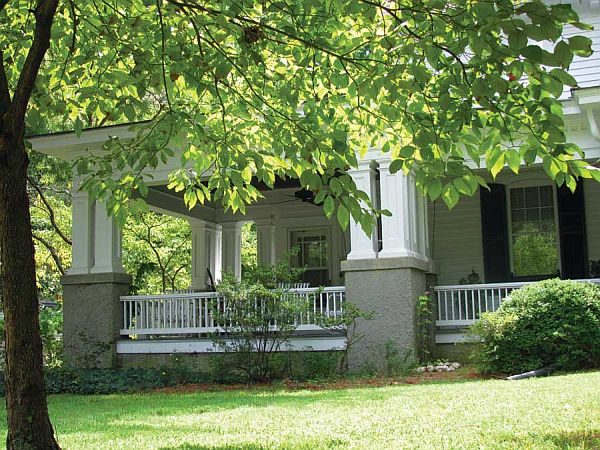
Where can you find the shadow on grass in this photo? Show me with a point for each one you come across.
(329, 443)
(572, 439)
(215, 447)
(577, 439)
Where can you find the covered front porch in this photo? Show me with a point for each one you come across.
(182, 320)
(524, 229)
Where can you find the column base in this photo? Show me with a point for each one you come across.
(92, 318)
(389, 287)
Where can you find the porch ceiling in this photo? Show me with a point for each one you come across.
(276, 200)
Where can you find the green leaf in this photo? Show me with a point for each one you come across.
(563, 53)
(563, 77)
(580, 43)
(328, 206)
(450, 196)
(343, 216)
(517, 39)
(514, 160)
(78, 127)
(532, 52)
(434, 188)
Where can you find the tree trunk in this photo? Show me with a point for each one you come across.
(29, 425)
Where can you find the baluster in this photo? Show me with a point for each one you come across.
(194, 313)
(454, 304)
(446, 305)
(207, 317)
(335, 304)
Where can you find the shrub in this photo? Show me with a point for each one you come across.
(262, 313)
(109, 381)
(51, 328)
(259, 318)
(551, 322)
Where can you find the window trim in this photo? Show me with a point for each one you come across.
(535, 182)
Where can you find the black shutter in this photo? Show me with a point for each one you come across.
(494, 227)
(571, 226)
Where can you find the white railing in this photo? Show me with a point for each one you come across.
(192, 313)
(462, 305)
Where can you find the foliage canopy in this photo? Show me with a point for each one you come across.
(246, 90)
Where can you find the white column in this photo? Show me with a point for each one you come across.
(266, 235)
(405, 232)
(82, 234)
(363, 246)
(199, 254)
(206, 253)
(107, 242)
(423, 225)
(213, 250)
(232, 248)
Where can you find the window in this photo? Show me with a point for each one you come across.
(534, 231)
(312, 254)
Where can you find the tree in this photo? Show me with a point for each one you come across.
(157, 252)
(257, 90)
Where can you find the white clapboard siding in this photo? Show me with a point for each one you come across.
(455, 239)
(587, 70)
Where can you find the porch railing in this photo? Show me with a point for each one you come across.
(192, 313)
(462, 305)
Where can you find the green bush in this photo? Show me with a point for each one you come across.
(51, 328)
(551, 322)
(110, 381)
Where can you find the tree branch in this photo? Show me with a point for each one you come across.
(50, 211)
(163, 54)
(44, 14)
(53, 253)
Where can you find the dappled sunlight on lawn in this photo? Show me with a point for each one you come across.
(554, 412)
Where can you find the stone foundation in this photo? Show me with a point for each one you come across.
(92, 318)
(390, 288)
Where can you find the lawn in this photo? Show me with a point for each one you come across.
(545, 413)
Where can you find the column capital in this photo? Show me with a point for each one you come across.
(196, 222)
(231, 225)
(269, 221)
(364, 166)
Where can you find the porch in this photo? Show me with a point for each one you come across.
(459, 306)
(523, 229)
(185, 322)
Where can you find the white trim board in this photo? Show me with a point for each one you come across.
(167, 346)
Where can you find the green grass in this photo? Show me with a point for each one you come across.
(556, 412)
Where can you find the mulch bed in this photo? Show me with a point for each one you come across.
(463, 374)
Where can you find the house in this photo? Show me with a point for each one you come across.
(523, 229)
